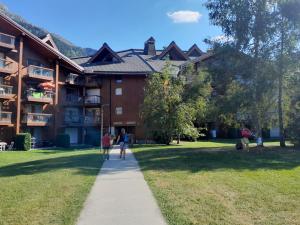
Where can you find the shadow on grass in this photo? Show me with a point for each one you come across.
(206, 159)
(85, 164)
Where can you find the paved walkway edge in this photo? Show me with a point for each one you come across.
(120, 196)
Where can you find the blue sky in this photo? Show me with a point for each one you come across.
(121, 23)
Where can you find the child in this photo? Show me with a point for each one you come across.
(106, 145)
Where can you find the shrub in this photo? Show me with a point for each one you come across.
(23, 141)
(62, 140)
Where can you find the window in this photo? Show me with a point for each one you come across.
(119, 110)
(118, 91)
(118, 79)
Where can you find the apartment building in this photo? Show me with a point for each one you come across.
(45, 93)
(31, 73)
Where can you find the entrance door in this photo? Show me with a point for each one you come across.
(73, 133)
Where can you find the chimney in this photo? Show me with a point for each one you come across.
(149, 48)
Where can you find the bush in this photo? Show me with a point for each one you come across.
(23, 141)
(62, 140)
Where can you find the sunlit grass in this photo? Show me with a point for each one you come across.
(211, 183)
(45, 186)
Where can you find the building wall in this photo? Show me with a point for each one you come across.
(131, 99)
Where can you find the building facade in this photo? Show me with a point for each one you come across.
(45, 93)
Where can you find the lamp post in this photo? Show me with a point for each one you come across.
(101, 131)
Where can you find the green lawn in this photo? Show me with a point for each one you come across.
(45, 186)
(211, 183)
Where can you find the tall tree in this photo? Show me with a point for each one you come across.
(248, 24)
(286, 45)
(164, 113)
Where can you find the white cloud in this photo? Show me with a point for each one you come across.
(184, 16)
(221, 38)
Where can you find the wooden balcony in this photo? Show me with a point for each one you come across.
(40, 73)
(75, 79)
(6, 66)
(6, 92)
(92, 121)
(5, 118)
(7, 41)
(92, 101)
(73, 100)
(39, 96)
(37, 119)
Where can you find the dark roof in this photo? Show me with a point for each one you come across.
(134, 61)
(194, 51)
(173, 46)
(105, 47)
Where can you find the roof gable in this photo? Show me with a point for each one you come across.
(49, 40)
(105, 55)
(173, 52)
(194, 51)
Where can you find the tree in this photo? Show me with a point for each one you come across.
(163, 111)
(286, 44)
(248, 25)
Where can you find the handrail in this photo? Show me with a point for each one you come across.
(40, 67)
(6, 89)
(92, 99)
(45, 94)
(39, 114)
(11, 38)
(5, 116)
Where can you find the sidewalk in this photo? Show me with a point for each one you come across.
(120, 196)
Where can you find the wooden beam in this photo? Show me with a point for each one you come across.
(56, 106)
(19, 95)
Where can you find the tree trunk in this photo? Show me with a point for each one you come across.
(178, 139)
(280, 90)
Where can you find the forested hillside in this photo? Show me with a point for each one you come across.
(66, 47)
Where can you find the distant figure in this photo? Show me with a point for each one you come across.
(106, 142)
(246, 134)
(123, 140)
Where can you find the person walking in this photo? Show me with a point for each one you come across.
(123, 140)
(106, 143)
(246, 134)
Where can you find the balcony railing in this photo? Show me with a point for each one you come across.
(5, 118)
(71, 119)
(92, 100)
(40, 72)
(73, 100)
(6, 66)
(7, 41)
(39, 96)
(6, 91)
(37, 119)
(75, 79)
(92, 120)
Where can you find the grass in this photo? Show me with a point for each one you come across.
(45, 186)
(211, 183)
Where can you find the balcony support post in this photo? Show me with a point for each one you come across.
(20, 64)
(56, 107)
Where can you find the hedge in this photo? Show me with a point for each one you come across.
(62, 140)
(23, 141)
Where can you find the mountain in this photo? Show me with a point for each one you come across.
(64, 46)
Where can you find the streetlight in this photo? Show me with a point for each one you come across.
(101, 131)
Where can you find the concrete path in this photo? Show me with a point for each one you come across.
(120, 196)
